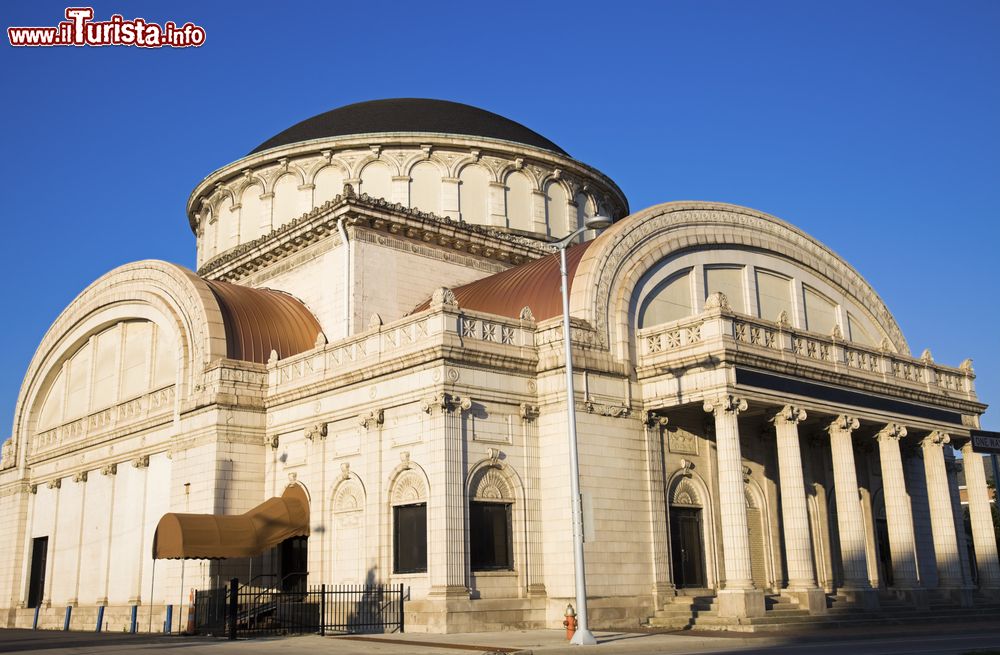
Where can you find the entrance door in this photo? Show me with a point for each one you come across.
(294, 564)
(36, 584)
(686, 548)
(884, 554)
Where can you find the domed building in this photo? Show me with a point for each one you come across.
(364, 382)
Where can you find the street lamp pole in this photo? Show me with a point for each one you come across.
(583, 635)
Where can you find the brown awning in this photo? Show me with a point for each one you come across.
(213, 536)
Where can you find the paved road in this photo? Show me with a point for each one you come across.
(923, 640)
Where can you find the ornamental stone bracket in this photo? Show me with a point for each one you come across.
(495, 456)
(528, 412)
(620, 410)
(687, 468)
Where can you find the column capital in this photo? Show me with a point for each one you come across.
(789, 414)
(936, 438)
(843, 423)
(653, 419)
(725, 403)
(893, 431)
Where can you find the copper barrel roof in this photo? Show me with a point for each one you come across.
(535, 285)
(261, 320)
(215, 536)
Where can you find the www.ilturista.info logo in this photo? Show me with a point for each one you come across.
(79, 29)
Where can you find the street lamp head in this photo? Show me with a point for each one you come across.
(597, 222)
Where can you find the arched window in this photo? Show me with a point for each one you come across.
(491, 540)
(669, 301)
(409, 524)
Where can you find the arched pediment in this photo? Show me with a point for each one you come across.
(607, 275)
(407, 488)
(172, 299)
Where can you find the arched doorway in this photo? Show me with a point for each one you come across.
(687, 547)
(882, 549)
(755, 535)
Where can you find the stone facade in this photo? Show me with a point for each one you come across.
(751, 422)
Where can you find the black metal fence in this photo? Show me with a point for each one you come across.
(240, 611)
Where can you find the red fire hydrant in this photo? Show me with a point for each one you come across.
(570, 622)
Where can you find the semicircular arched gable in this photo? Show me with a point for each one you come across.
(167, 294)
(610, 269)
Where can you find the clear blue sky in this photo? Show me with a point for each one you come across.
(874, 126)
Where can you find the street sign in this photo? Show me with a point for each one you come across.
(986, 442)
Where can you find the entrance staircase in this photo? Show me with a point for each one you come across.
(698, 610)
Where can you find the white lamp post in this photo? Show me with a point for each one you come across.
(583, 636)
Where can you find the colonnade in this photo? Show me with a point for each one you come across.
(739, 597)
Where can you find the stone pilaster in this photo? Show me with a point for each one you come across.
(446, 510)
(850, 522)
(794, 513)
(533, 501)
(663, 585)
(949, 566)
(738, 598)
(983, 535)
(898, 514)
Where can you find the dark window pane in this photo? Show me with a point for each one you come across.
(409, 538)
(490, 536)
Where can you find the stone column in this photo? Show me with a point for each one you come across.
(983, 536)
(949, 567)
(794, 513)
(738, 598)
(899, 515)
(446, 510)
(663, 585)
(850, 523)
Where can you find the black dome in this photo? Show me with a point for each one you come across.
(408, 115)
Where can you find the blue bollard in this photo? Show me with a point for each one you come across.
(168, 622)
(135, 619)
(34, 624)
(69, 613)
(100, 618)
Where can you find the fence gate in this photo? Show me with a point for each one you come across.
(240, 611)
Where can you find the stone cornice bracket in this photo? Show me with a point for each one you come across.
(891, 431)
(935, 438)
(80, 477)
(654, 420)
(528, 412)
(318, 430)
(374, 418)
(109, 469)
(345, 470)
(614, 411)
(843, 423)
(789, 414)
(141, 462)
(725, 403)
(54, 484)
